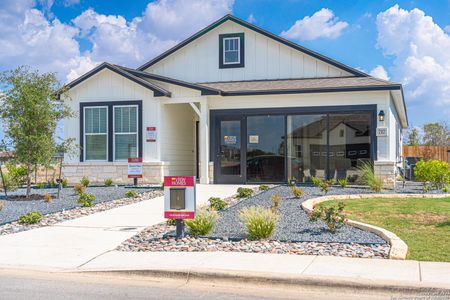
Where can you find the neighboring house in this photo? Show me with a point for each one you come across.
(234, 104)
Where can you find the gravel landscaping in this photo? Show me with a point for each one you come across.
(13, 209)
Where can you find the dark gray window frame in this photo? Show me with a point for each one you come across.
(110, 105)
(241, 63)
(215, 115)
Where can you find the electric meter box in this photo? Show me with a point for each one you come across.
(179, 197)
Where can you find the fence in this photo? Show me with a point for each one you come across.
(431, 152)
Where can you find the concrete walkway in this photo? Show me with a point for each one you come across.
(69, 244)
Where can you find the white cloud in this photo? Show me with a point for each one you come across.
(322, 24)
(421, 54)
(251, 19)
(379, 72)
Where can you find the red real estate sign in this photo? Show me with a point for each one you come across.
(179, 197)
(179, 181)
(134, 167)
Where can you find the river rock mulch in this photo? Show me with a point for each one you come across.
(65, 215)
(153, 239)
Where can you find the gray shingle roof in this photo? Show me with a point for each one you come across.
(303, 85)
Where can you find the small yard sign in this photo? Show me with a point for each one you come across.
(150, 134)
(179, 197)
(135, 167)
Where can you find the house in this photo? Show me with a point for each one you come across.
(234, 104)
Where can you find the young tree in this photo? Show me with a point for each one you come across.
(413, 137)
(30, 109)
(436, 134)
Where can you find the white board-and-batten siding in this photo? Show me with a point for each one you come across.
(265, 58)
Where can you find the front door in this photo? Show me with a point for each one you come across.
(230, 159)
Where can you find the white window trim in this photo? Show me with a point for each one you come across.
(84, 134)
(129, 133)
(238, 50)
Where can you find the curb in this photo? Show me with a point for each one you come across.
(262, 278)
(399, 249)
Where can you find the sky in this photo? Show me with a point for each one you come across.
(402, 41)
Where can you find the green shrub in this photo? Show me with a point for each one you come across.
(79, 188)
(276, 200)
(332, 216)
(86, 200)
(260, 222)
(436, 172)
(369, 178)
(325, 186)
(30, 218)
(51, 183)
(244, 192)
(203, 223)
(316, 181)
(85, 181)
(131, 194)
(17, 174)
(171, 222)
(263, 187)
(64, 183)
(298, 192)
(216, 203)
(9, 183)
(343, 182)
(40, 185)
(108, 182)
(292, 182)
(445, 189)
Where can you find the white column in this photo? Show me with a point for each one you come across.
(204, 141)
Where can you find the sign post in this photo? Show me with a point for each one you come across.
(135, 169)
(179, 200)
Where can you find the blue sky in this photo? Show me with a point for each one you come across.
(403, 41)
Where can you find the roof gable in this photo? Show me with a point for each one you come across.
(259, 30)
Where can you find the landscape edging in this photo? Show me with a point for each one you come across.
(399, 249)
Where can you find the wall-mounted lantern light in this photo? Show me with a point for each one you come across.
(381, 116)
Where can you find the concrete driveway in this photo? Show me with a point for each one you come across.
(73, 243)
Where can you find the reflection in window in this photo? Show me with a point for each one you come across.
(309, 134)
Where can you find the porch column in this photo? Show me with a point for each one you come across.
(204, 142)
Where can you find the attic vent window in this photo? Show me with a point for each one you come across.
(231, 53)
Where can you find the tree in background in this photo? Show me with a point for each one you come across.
(436, 134)
(30, 109)
(414, 137)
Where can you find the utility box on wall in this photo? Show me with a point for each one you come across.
(179, 197)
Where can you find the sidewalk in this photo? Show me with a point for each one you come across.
(70, 244)
(319, 269)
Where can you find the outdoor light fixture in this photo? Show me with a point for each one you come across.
(381, 116)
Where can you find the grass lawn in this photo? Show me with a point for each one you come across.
(424, 224)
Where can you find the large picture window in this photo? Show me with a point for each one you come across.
(110, 131)
(96, 133)
(125, 132)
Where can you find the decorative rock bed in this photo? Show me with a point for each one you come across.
(65, 215)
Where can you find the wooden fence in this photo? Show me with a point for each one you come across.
(431, 152)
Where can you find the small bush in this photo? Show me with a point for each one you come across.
(216, 203)
(276, 200)
(51, 183)
(292, 182)
(203, 223)
(332, 216)
(244, 192)
(436, 172)
(445, 189)
(79, 188)
(30, 218)
(260, 222)
(108, 182)
(17, 174)
(343, 182)
(65, 183)
(85, 181)
(298, 192)
(86, 200)
(48, 197)
(8, 183)
(369, 178)
(316, 181)
(131, 194)
(40, 185)
(263, 187)
(171, 222)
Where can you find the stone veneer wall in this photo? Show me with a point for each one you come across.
(387, 171)
(118, 171)
(211, 172)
